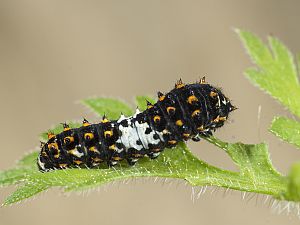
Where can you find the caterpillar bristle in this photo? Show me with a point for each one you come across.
(50, 135)
(85, 122)
(65, 126)
(202, 80)
(179, 84)
(104, 119)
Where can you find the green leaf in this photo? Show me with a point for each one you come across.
(286, 129)
(24, 192)
(11, 176)
(108, 106)
(28, 161)
(24, 167)
(254, 163)
(257, 173)
(276, 73)
(253, 160)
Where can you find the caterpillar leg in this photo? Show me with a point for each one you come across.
(111, 163)
(153, 155)
(206, 133)
(196, 138)
(132, 161)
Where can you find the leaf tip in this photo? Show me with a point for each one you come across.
(83, 102)
(236, 30)
(4, 204)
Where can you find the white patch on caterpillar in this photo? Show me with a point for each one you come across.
(76, 152)
(41, 164)
(137, 111)
(129, 136)
(219, 102)
(224, 101)
(136, 132)
(147, 139)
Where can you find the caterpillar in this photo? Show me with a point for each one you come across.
(188, 111)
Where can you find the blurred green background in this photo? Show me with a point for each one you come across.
(54, 53)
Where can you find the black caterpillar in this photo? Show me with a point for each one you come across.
(186, 112)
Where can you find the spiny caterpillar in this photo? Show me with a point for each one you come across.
(189, 111)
